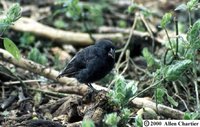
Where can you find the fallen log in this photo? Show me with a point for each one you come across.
(64, 37)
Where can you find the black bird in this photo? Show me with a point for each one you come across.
(91, 63)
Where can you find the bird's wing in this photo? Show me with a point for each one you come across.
(92, 53)
(80, 61)
(74, 65)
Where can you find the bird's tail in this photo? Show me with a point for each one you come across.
(68, 72)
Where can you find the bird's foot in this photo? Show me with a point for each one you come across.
(92, 89)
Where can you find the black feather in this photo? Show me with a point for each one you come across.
(91, 63)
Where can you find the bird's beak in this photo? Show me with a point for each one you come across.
(111, 53)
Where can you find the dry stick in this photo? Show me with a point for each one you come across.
(50, 92)
(33, 67)
(65, 37)
(184, 103)
(162, 109)
(149, 30)
(19, 82)
(75, 124)
(108, 29)
(127, 62)
(52, 74)
(79, 90)
(127, 43)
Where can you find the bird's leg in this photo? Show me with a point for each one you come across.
(91, 87)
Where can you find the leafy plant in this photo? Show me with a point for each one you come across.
(37, 56)
(192, 4)
(92, 13)
(122, 92)
(138, 121)
(166, 19)
(191, 116)
(12, 15)
(59, 23)
(26, 39)
(88, 123)
(152, 62)
(73, 8)
(96, 15)
(179, 59)
(193, 35)
(135, 6)
(174, 71)
(125, 115)
(112, 119)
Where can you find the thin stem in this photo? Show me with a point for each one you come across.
(177, 33)
(150, 32)
(183, 102)
(127, 43)
(165, 57)
(19, 82)
(127, 62)
(195, 82)
(170, 43)
(155, 84)
(157, 96)
(190, 19)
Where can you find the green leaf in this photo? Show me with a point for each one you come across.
(160, 94)
(172, 101)
(132, 7)
(174, 71)
(194, 35)
(123, 91)
(96, 15)
(122, 24)
(125, 113)
(27, 39)
(14, 13)
(187, 116)
(138, 121)
(112, 119)
(191, 4)
(120, 96)
(150, 59)
(191, 116)
(11, 48)
(37, 56)
(88, 123)
(131, 87)
(59, 23)
(3, 25)
(73, 8)
(166, 19)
